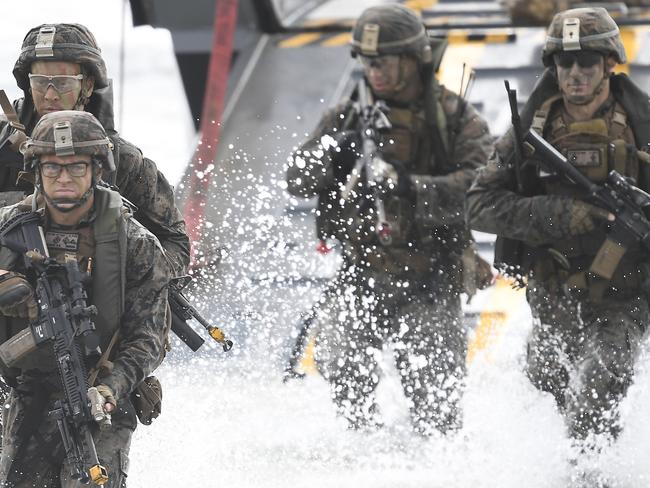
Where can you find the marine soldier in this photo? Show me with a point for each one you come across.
(590, 314)
(60, 67)
(404, 290)
(129, 278)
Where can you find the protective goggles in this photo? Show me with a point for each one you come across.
(61, 83)
(53, 170)
(381, 63)
(585, 59)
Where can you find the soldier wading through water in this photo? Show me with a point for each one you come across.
(401, 289)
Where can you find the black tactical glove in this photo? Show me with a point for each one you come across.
(17, 296)
(393, 177)
(345, 153)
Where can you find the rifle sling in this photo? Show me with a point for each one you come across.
(103, 361)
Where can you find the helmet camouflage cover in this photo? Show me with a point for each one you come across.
(68, 133)
(391, 29)
(60, 42)
(583, 28)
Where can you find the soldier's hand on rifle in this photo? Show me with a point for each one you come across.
(584, 217)
(17, 296)
(392, 177)
(102, 403)
(345, 152)
(110, 403)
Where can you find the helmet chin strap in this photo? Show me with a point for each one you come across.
(70, 203)
(402, 82)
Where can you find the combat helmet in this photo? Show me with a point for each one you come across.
(60, 42)
(391, 29)
(68, 133)
(589, 28)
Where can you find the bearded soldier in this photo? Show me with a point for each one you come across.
(400, 288)
(60, 67)
(589, 305)
(68, 152)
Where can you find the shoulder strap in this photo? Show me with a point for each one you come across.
(541, 114)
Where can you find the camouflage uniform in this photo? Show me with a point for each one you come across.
(136, 177)
(405, 293)
(587, 330)
(32, 453)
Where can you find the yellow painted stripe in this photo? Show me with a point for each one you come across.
(300, 39)
(631, 44)
(492, 321)
(451, 70)
(307, 363)
(337, 40)
(461, 37)
(420, 4)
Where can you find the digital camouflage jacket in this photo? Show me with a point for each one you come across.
(129, 288)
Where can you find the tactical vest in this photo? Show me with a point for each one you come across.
(420, 140)
(109, 239)
(595, 148)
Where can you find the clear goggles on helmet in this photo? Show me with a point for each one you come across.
(585, 59)
(61, 83)
(53, 170)
(381, 63)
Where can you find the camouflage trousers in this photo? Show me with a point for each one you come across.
(32, 452)
(422, 323)
(583, 353)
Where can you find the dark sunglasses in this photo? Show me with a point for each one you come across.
(585, 59)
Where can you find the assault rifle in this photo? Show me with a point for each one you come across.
(617, 195)
(182, 311)
(66, 322)
(373, 120)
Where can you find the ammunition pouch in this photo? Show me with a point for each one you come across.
(610, 272)
(147, 400)
(17, 347)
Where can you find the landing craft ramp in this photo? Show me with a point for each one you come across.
(281, 81)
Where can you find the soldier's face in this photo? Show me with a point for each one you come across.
(387, 74)
(580, 75)
(50, 99)
(63, 178)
